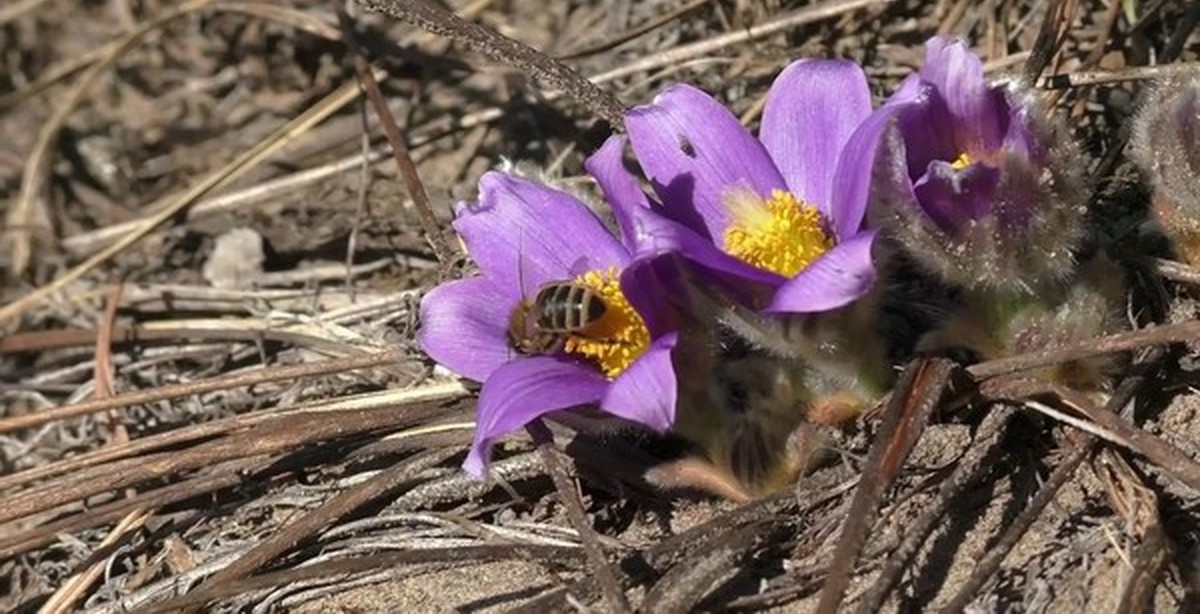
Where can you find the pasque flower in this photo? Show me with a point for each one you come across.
(1166, 144)
(524, 235)
(976, 180)
(783, 211)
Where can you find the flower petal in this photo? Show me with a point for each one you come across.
(619, 186)
(952, 197)
(812, 109)
(523, 234)
(928, 129)
(838, 278)
(694, 151)
(523, 391)
(856, 165)
(645, 393)
(464, 326)
(957, 73)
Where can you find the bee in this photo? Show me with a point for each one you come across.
(541, 325)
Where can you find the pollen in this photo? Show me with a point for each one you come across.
(782, 235)
(961, 162)
(620, 337)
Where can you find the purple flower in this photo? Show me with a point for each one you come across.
(523, 236)
(784, 211)
(977, 181)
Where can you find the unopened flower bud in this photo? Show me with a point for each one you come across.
(1166, 144)
(975, 179)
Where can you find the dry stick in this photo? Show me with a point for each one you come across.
(232, 171)
(1080, 450)
(1170, 459)
(683, 53)
(275, 374)
(1051, 36)
(408, 170)
(224, 476)
(914, 399)
(1137, 504)
(74, 588)
(503, 49)
(282, 436)
(614, 596)
(33, 177)
(990, 563)
(1123, 342)
(177, 438)
(967, 471)
(1170, 53)
(1176, 271)
(1135, 73)
(646, 28)
(85, 242)
(386, 483)
(375, 562)
(303, 334)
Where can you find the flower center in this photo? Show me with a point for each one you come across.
(618, 338)
(782, 235)
(963, 161)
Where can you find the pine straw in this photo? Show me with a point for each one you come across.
(286, 444)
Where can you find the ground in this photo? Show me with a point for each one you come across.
(230, 406)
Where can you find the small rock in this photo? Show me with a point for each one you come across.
(236, 260)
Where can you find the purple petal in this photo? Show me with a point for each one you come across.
(837, 278)
(654, 289)
(1019, 138)
(951, 197)
(525, 390)
(694, 151)
(659, 235)
(464, 324)
(812, 109)
(619, 186)
(957, 73)
(645, 393)
(856, 165)
(523, 234)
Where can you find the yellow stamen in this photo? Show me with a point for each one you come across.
(783, 235)
(963, 161)
(620, 337)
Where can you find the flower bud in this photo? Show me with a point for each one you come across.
(1166, 144)
(975, 179)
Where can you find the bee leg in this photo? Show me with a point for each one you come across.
(696, 473)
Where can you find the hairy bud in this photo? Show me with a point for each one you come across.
(1166, 144)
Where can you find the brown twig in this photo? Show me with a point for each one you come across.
(614, 595)
(1166, 456)
(224, 382)
(646, 28)
(503, 49)
(968, 470)
(375, 562)
(920, 390)
(1137, 504)
(1121, 342)
(1059, 15)
(1078, 452)
(395, 138)
(386, 483)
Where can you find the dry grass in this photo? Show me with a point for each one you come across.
(280, 441)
